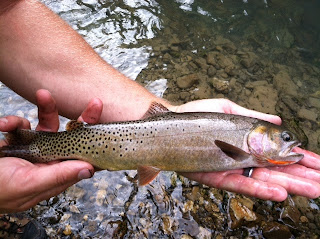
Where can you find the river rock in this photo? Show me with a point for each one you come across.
(248, 59)
(275, 230)
(230, 70)
(187, 81)
(211, 58)
(201, 63)
(307, 114)
(302, 203)
(282, 81)
(221, 86)
(224, 61)
(284, 37)
(290, 102)
(230, 47)
(240, 213)
(314, 102)
(253, 84)
(212, 71)
(290, 215)
(67, 230)
(264, 99)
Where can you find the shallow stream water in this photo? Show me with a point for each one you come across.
(263, 55)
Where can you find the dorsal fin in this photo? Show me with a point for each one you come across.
(73, 124)
(232, 151)
(155, 109)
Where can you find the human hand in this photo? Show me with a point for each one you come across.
(273, 183)
(24, 184)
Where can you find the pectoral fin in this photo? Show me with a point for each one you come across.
(146, 174)
(232, 151)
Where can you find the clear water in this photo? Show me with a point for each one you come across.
(158, 42)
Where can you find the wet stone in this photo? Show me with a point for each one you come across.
(302, 203)
(307, 114)
(240, 213)
(282, 81)
(290, 215)
(224, 62)
(275, 230)
(201, 63)
(304, 219)
(221, 86)
(290, 102)
(264, 99)
(253, 84)
(314, 102)
(212, 71)
(187, 81)
(67, 230)
(211, 58)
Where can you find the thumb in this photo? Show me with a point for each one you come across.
(62, 174)
(44, 181)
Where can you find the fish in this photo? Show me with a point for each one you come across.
(162, 141)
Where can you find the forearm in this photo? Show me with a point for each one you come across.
(39, 50)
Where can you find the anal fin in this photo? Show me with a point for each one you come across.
(146, 174)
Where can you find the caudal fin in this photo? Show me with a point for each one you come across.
(21, 137)
(17, 142)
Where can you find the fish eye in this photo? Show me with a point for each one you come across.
(286, 136)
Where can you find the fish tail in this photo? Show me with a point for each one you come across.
(21, 137)
(18, 143)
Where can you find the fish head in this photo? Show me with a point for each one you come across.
(273, 145)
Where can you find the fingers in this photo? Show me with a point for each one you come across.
(300, 171)
(47, 112)
(293, 184)
(234, 181)
(310, 159)
(225, 106)
(93, 111)
(10, 123)
(233, 108)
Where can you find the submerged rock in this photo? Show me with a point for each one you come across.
(308, 114)
(187, 81)
(282, 81)
(263, 98)
(221, 86)
(239, 213)
(275, 230)
(290, 215)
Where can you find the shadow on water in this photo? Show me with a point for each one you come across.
(263, 55)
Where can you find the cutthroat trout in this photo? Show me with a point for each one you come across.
(182, 142)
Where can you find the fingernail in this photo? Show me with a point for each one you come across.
(85, 174)
(3, 121)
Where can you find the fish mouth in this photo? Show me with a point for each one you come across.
(288, 151)
(287, 156)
